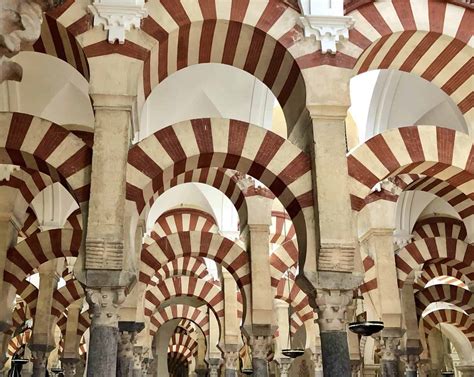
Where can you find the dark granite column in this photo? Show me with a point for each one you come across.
(389, 355)
(231, 363)
(331, 306)
(260, 346)
(104, 306)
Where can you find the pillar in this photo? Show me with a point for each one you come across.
(103, 306)
(70, 356)
(126, 348)
(331, 308)
(260, 346)
(317, 360)
(8, 236)
(214, 365)
(139, 363)
(69, 367)
(284, 365)
(40, 361)
(389, 354)
(411, 364)
(231, 363)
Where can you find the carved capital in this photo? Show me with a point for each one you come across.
(104, 305)
(284, 365)
(214, 365)
(103, 254)
(138, 358)
(261, 346)
(231, 360)
(126, 343)
(69, 367)
(411, 362)
(118, 17)
(332, 306)
(39, 359)
(389, 348)
(317, 360)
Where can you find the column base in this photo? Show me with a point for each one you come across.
(335, 352)
(102, 355)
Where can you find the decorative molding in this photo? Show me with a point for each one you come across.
(104, 305)
(231, 360)
(389, 348)
(104, 254)
(332, 306)
(118, 16)
(327, 29)
(336, 257)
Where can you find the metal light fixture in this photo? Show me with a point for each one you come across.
(291, 352)
(364, 327)
(17, 364)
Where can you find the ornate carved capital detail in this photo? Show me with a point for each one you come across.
(138, 358)
(69, 368)
(411, 361)
(231, 360)
(317, 360)
(39, 359)
(118, 17)
(331, 308)
(389, 348)
(336, 257)
(261, 346)
(214, 365)
(284, 364)
(104, 305)
(125, 347)
(103, 254)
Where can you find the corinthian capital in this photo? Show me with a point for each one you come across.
(104, 305)
(261, 346)
(332, 307)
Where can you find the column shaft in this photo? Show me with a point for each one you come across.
(260, 347)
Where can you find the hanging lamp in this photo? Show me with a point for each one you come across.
(364, 327)
(291, 352)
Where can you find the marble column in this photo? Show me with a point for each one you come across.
(331, 308)
(214, 366)
(127, 352)
(389, 355)
(284, 365)
(317, 360)
(231, 363)
(260, 346)
(69, 367)
(411, 364)
(102, 356)
(40, 362)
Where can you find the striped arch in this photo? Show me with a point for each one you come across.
(448, 274)
(454, 317)
(38, 249)
(370, 275)
(178, 311)
(225, 180)
(450, 251)
(177, 353)
(281, 229)
(185, 325)
(427, 38)
(277, 163)
(440, 227)
(18, 341)
(65, 296)
(254, 38)
(187, 266)
(446, 293)
(295, 297)
(283, 258)
(30, 225)
(207, 292)
(59, 30)
(37, 144)
(461, 203)
(183, 219)
(427, 150)
(21, 313)
(196, 244)
(185, 340)
(29, 294)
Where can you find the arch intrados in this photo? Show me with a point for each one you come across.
(451, 294)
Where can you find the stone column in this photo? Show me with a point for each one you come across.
(231, 363)
(317, 360)
(284, 365)
(8, 236)
(411, 364)
(260, 346)
(331, 308)
(40, 361)
(126, 348)
(389, 354)
(69, 367)
(102, 356)
(214, 366)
